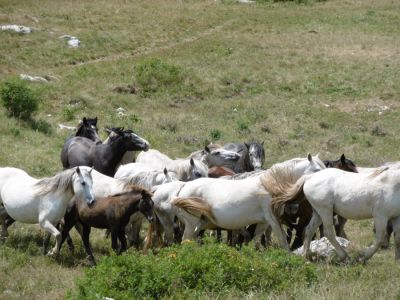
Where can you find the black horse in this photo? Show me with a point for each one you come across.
(88, 128)
(81, 151)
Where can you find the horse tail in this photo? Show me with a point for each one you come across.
(293, 193)
(195, 206)
(149, 237)
(155, 225)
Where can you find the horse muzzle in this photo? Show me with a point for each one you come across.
(90, 202)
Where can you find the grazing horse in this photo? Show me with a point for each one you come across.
(215, 155)
(88, 128)
(226, 203)
(186, 169)
(352, 195)
(111, 213)
(44, 201)
(252, 157)
(80, 151)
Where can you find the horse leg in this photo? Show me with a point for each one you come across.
(380, 228)
(260, 229)
(311, 228)
(389, 230)
(122, 239)
(114, 240)
(329, 230)
(86, 243)
(340, 227)
(276, 228)
(49, 227)
(396, 232)
(4, 217)
(168, 225)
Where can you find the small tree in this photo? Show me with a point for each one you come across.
(18, 99)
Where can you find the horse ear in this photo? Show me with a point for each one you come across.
(262, 144)
(90, 171)
(207, 149)
(165, 172)
(309, 157)
(108, 130)
(247, 145)
(95, 121)
(192, 162)
(343, 159)
(78, 171)
(84, 120)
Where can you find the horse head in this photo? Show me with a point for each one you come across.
(256, 154)
(146, 205)
(83, 185)
(315, 164)
(197, 170)
(342, 163)
(88, 128)
(135, 142)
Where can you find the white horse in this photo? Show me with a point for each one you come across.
(351, 195)
(226, 203)
(186, 169)
(30, 200)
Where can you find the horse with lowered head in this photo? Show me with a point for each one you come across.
(111, 213)
(80, 151)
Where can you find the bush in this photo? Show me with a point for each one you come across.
(192, 270)
(19, 101)
(153, 74)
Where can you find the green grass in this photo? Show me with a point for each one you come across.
(303, 77)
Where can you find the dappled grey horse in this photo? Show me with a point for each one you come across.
(80, 151)
(252, 157)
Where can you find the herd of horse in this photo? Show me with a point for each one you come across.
(221, 187)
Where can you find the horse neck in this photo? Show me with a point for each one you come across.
(114, 154)
(130, 201)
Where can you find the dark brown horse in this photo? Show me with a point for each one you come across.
(111, 213)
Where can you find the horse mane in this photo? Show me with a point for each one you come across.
(61, 181)
(144, 178)
(133, 188)
(195, 206)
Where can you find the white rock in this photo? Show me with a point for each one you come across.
(73, 41)
(61, 126)
(120, 109)
(323, 247)
(32, 78)
(17, 28)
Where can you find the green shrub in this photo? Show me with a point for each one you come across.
(215, 134)
(18, 99)
(189, 269)
(69, 112)
(153, 74)
(42, 126)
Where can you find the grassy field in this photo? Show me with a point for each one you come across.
(321, 77)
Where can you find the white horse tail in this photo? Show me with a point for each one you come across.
(293, 193)
(195, 206)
